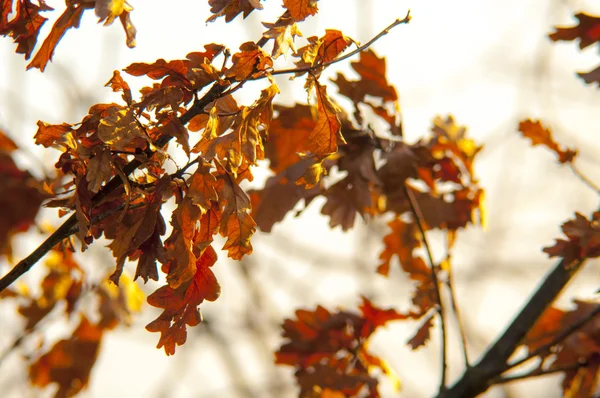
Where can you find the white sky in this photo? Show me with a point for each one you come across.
(487, 63)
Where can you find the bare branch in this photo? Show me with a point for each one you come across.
(418, 216)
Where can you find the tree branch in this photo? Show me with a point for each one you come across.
(537, 373)
(418, 216)
(572, 328)
(478, 378)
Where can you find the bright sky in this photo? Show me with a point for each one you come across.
(489, 64)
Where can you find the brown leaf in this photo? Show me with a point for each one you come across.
(118, 84)
(587, 31)
(6, 144)
(591, 77)
(25, 25)
(283, 33)
(100, 168)
(324, 138)
(539, 135)
(232, 8)
(301, 9)
(69, 19)
(251, 61)
(120, 128)
(69, 362)
(423, 333)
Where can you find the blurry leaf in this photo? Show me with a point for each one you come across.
(69, 362)
(21, 198)
(6, 144)
(587, 31)
(232, 8)
(539, 135)
(583, 239)
(422, 336)
(69, 19)
(25, 25)
(591, 77)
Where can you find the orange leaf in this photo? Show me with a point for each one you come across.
(301, 9)
(181, 304)
(118, 84)
(283, 33)
(232, 8)
(69, 19)
(69, 362)
(250, 61)
(539, 135)
(324, 138)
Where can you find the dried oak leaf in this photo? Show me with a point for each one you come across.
(25, 24)
(591, 77)
(539, 135)
(118, 84)
(423, 335)
(283, 33)
(579, 351)
(232, 8)
(119, 128)
(356, 193)
(587, 31)
(69, 19)
(251, 61)
(301, 9)
(322, 50)
(401, 242)
(54, 134)
(237, 225)
(280, 195)
(320, 345)
(22, 196)
(181, 304)
(326, 135)
(100, 168)
(288, 136)
(69, 362)
(244, 144)
(583, 239)
(108, 10)
(6, 143)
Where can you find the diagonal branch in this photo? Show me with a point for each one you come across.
(572, 328)
(418, 216)
(478, 378)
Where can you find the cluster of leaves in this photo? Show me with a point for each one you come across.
(112, 180)
(587, 31)
(27, 20)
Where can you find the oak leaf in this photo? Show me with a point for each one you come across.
(283, 33)
(587, 31)
(232, 8)
(181, 304)
(25, 25)
(70, 361)
(301, 9)
(591, 77)
(583, 239)
(251, 61)
(324, 138)
(118, 84)
(69, 19)
(540, 135)
(120, 128)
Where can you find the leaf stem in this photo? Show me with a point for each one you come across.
(418, 216)
(584, 178)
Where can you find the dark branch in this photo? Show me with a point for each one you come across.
(478, 378)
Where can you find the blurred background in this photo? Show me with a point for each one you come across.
(489, 64)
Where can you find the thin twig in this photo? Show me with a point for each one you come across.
(537, 373)
(572, 328)
(418, 215)
(584, 178)
(368, 44)
(461, 329)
